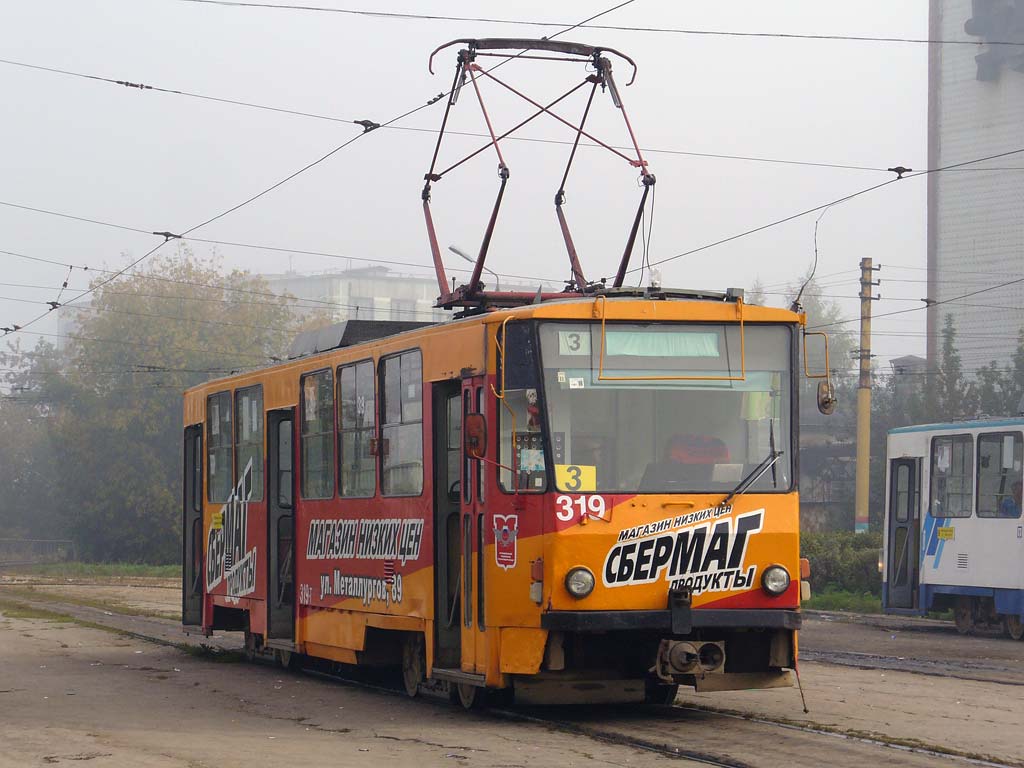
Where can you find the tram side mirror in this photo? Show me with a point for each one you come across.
(826, 392)
(826, 397)
(474, 435)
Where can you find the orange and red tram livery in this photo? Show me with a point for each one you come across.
(591, 498)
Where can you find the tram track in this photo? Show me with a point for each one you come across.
(697, 739)
(962, 669)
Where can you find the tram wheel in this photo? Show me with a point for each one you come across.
(469, 696)
(1014, 627)
(287, 659)
(963, 615)
(657, 695)
(413, 662)
(249, 648)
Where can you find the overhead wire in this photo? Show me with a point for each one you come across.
(615, 27)
(307, 167)
(257, 246)
(297, 302)
(823, 206)
(161, 346)
(929, 305)
(366, 131)
(15, 328)
(390, 126)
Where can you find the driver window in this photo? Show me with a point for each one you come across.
(521, 439)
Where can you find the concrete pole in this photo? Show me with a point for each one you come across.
(864, 400)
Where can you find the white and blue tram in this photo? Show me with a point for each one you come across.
(954, 535)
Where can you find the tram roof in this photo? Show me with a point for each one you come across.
(693, 306)
(952, 426)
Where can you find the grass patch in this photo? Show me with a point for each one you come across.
(844, 600)
(78, 570)
(30, 592)
(14, 610)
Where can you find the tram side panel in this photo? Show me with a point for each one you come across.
(960, 551)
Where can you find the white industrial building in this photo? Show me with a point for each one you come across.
(976, 214)
(365, 293)
(374, 293)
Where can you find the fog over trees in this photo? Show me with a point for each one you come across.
(93, 426)
(94, 429)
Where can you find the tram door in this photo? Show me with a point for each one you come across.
(904, 521)
(192, 528)
(280, 525)
(448, 485)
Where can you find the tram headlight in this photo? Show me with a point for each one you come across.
(775, 580)
(579, 582)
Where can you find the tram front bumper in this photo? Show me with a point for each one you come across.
(679, 619)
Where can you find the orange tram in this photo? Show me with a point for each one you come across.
(578, 496)
(591, 498)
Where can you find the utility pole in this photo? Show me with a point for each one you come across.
(864, 397)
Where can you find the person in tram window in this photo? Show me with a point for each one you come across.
(1010, 506)
(688, 464)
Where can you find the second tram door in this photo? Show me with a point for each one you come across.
(280, 525)
(904, 523)
(447, 413)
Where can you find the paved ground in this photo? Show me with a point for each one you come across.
(69, 693)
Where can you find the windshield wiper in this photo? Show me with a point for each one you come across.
(755, 474)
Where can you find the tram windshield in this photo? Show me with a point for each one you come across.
(667, 408)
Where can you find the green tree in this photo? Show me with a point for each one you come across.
(950, 396)
(1014, 388)
(27, 469)
(113, 414)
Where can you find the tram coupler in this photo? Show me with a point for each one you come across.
(684, 657)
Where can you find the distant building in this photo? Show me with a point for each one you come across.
(366, 293)
(976, 217)
(370, 293)
(69, 322)
(908, 365)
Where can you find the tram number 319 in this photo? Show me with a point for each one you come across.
(570, 507)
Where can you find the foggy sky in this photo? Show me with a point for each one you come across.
(166, 162)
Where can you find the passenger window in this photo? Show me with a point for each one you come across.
(1000, 474)
(952, 476)
(249, 436)
(284, 464)
(402, 431)
(357, 417)
(453, 445)
(317, 435)
(218, 440)
(902, 491)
